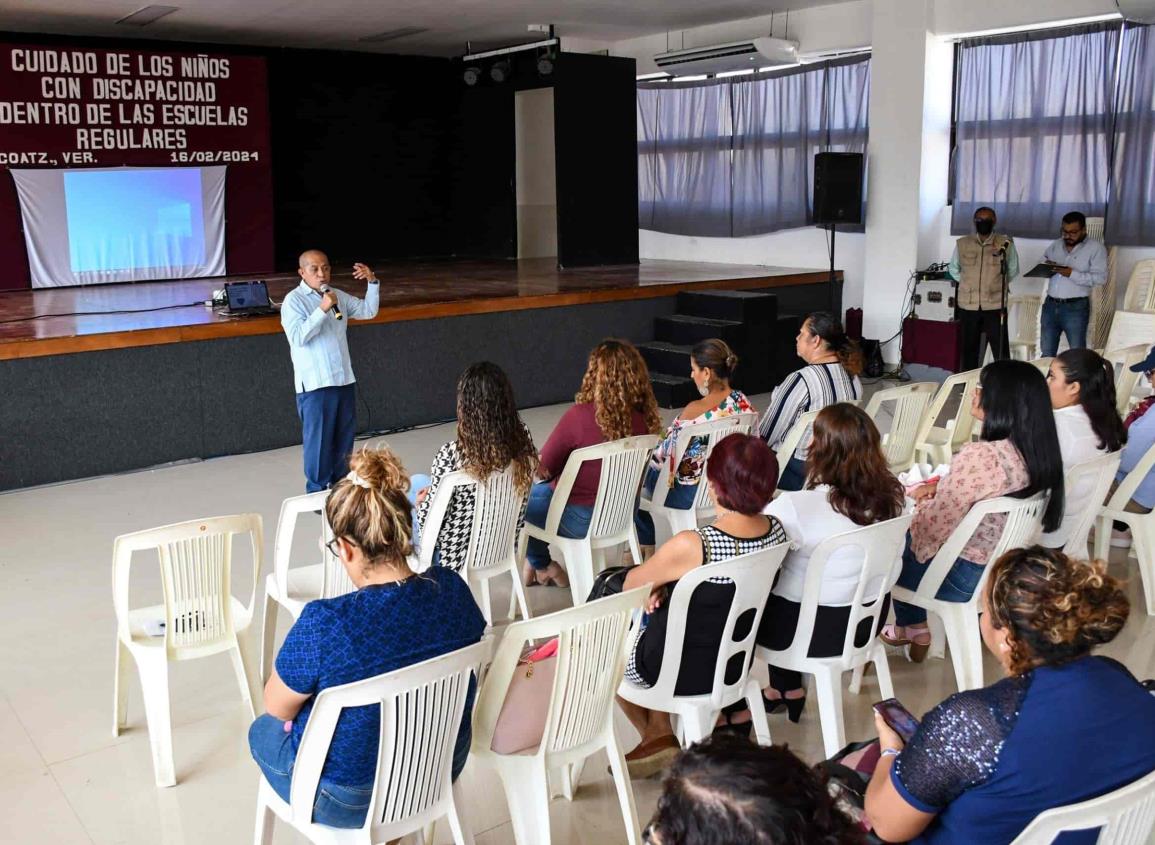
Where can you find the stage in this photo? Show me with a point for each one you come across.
(94, 383)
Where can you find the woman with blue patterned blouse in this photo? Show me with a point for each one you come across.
(1063, 727)
(392, 620)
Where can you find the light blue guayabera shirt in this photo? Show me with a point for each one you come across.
(1088, 263)
(317, 339)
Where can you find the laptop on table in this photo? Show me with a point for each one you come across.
(247, 299)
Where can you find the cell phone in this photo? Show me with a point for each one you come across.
(900, 720)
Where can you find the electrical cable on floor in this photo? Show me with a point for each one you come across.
(198, 304)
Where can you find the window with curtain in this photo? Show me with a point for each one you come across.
(735, 156)
(1131, 208)
(1033, 127)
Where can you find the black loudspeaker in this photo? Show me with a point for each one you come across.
(838, 188)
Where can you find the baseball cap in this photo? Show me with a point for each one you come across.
(1147, 364)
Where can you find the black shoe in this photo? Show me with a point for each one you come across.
(792, 706)
(742, 729)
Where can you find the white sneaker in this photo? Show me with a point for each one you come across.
(1120, 539)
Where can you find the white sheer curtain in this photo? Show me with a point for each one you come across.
(1033, 127)
(1131, 210)
(735, 156)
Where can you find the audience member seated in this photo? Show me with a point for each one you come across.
(1063, 727)
(1140, 438)
(1018, 454)
(848, 486)
(728, 791)
(490, 437)
(833, 364)
(711, 364)
(393, 619)
(615, 401)
(1082, 386)
(741, 472)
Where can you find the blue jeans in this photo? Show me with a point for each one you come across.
(793, 475)
(575, 522)
(335, 805)
(959, 585)
(417, 483)
(328, 422)
(1070, 316)
(680, 497)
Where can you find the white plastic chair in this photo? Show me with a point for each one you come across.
(492, 550)
(1125, 816)
(1140, 295)
(591, 657)
(1089, 482)
(1025, 311)
(1125, 380)
(753, 575)
(960, 620)
(292, 587)
(910, 403)
(201, 617)
(881, 547)
(1102, 297)
(612, 520)
(794, 437)
(1142, 526)
(935, 444)
(703, 509)
(1043, 365)
(421, 711)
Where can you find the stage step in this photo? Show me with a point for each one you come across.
(742, 306)
(686, 329)
(669, 358)
(673, 391)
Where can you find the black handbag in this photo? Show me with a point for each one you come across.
(609, 582)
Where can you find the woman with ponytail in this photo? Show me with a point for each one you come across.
(833, 364)
(392, 620)
(1082, 387)
(712, 363)
(1063, 726)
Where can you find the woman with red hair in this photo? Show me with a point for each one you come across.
(742, 473)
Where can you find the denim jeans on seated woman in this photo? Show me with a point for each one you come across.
(335, 805)
(959, 585)
(575, 522)
(418, 482)
(679, 497)
(793, 475)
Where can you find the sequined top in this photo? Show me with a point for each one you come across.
(988, 761)
(982, 470)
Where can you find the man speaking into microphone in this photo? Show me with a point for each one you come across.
(315, 318)
(983, 264)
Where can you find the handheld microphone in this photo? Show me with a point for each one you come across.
(336, 309)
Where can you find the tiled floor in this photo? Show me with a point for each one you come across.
(65, 779)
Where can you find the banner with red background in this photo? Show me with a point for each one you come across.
(81, 107)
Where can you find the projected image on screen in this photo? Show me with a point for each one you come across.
(98, 225)
(128, 219)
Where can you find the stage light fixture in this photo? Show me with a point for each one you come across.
(471, 75)
(545, 65)
(500, 71)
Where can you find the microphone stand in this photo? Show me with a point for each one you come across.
(1003, 312)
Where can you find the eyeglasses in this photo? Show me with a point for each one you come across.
(331, 545)
(650, 835)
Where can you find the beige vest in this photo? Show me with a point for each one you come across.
(980, 269)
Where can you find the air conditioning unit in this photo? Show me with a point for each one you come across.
(1142, 11)
(740, 55)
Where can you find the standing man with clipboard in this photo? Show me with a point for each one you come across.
(1079, 265)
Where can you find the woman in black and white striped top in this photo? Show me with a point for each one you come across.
(833, 363)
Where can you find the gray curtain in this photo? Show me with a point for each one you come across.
(735, 156)
(1033, 127)
(1131, 211)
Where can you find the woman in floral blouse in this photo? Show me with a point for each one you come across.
(711, 364)
(1018, 455)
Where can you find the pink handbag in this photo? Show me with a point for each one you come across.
(521, 723)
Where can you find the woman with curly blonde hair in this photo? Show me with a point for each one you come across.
(490, 437)
(615, 401)
(1063, 727)
(392, 620)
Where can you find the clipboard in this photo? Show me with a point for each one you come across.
(1042, 270)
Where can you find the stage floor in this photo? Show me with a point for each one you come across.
(58, 321)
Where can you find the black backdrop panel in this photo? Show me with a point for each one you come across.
(483, 202)
(596, 142)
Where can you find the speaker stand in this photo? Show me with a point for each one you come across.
(833, 305)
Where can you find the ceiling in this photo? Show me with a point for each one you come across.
(338, 24)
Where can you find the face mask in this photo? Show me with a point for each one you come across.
(984, 227)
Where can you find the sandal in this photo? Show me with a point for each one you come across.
(742, 729)
(915, 638)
